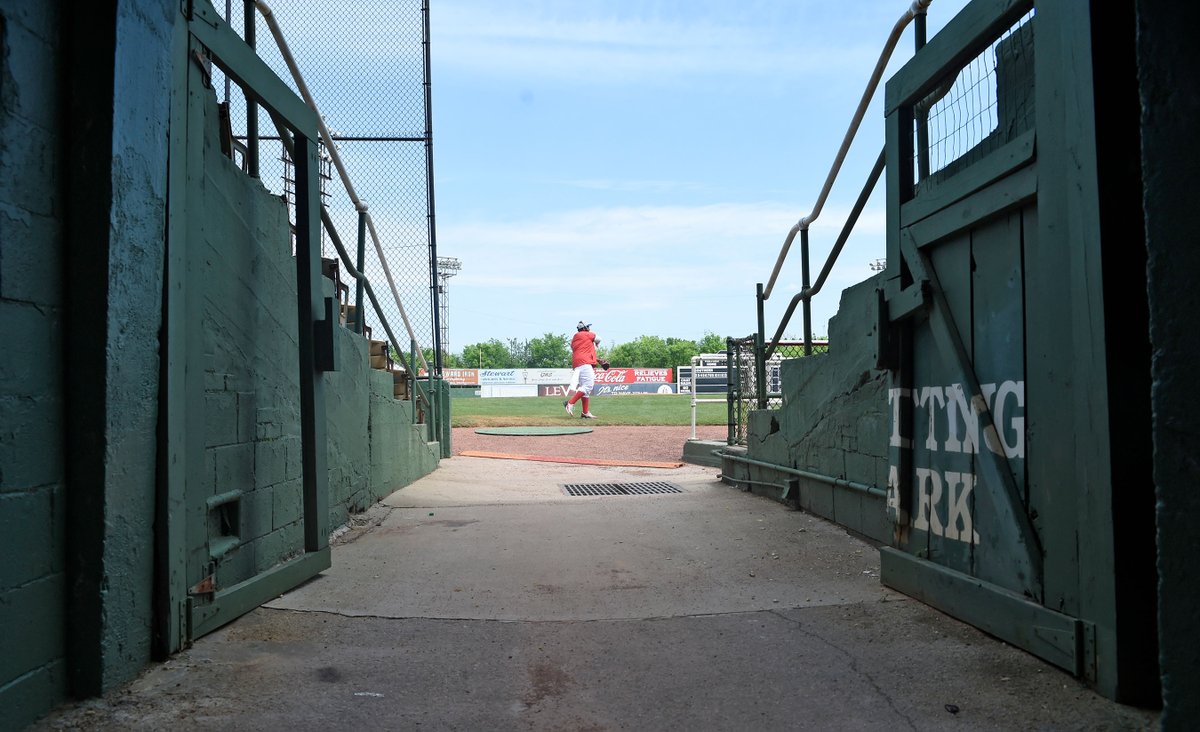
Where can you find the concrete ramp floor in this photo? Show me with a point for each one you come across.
(482, 597)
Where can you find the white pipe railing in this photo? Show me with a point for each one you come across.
(268, 16)
(918, 7)
(696, 401)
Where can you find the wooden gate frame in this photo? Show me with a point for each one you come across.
(1093, 608)
(1002, 182)
(180, 621)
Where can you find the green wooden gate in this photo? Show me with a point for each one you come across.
(999, 488)
(243, 510)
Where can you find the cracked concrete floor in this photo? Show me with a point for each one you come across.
(482, 597)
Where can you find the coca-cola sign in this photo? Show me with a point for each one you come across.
(633, 376)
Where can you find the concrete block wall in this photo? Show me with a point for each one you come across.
(246, 274)
(374, 446)
(347, 416)
(252, 423)
(81, 292)
(834, 421)
(400, 450)
(32, 464)
(113, 383)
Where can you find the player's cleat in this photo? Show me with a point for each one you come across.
(569, 407)
(587, 415)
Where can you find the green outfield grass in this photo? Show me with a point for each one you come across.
(651, 409)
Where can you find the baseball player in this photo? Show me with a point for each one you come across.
(583, 358)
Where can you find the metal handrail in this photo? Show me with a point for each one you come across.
(854, 485)
(268, 16)
(289, 145)
(764, 350)
(808, 292)
(918, 7)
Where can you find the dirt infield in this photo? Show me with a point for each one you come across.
(660, 444)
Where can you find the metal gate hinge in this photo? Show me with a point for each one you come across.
(206, 586)
(205, 67)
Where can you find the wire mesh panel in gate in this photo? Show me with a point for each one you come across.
(979, 107)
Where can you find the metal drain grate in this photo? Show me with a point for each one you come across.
(620, 489)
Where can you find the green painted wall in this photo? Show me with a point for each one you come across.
(399, 451)
(833, 421)
(113, 567)
(374, 447)
(244, 275)
(348, 417)
(80, 287)
(1079, 255)
(81, 292)
(1170, 106)
(33, 672)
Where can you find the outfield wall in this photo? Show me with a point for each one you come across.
(555, 382)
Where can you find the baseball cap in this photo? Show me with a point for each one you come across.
(583, 326)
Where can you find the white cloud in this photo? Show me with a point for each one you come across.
(637, 186)
(648, 267)
(530, 43)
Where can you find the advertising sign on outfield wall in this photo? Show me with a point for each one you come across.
(633, 376)
(555, 380)
(459, 377)
(499, 376)
(546, 376)
(643, 388)
(560, 390)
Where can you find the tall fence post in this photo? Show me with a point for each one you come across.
(805, 284)
(362, 250)
(919, 34)
(760, 355)
(444, 415)
(251, 105)
(732, 365)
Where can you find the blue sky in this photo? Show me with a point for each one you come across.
(638, 164)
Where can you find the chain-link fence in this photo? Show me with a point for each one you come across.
(744, 378)
(365, 64)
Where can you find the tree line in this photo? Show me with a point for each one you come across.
(553, 350)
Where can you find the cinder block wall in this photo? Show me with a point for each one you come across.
(32, 486)
(244, 274)
(400, 452)
(347, 415)
(833, 422)
(84, 115)
(374, 447)
(252, 425)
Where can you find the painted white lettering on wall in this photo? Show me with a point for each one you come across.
(951, 420)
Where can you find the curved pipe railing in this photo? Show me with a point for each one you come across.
(763, 350)
(807, 293)
(917, 8)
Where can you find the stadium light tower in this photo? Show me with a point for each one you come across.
(878, 265)
(447, 268)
